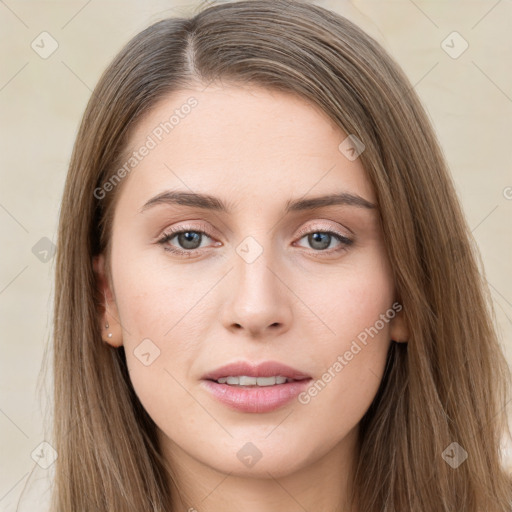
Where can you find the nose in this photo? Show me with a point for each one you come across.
(259, 301)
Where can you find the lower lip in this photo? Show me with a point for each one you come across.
(256, 399)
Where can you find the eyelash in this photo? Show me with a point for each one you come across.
(346, 242)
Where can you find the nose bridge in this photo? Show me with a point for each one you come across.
(258, 298)
(252, 262)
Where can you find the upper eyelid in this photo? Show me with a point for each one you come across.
(323, 227)
(207, 231)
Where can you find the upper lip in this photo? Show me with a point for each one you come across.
(264, 369)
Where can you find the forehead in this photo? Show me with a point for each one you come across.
(243, 144)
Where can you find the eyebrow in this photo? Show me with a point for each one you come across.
(208, 202)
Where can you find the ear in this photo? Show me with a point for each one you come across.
(399, 329)
(108, 317)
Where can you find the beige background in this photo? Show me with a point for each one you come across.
(468, 98)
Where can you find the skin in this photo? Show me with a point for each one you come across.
(255, 150)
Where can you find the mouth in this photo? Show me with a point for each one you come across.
(255, 388)
(254, 382)
(244, 373)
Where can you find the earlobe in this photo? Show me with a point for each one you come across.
(112, 334)
(108, 317)
(399, 329)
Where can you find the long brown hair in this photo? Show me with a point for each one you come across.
(448, 384)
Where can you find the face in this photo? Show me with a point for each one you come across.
(252, 275)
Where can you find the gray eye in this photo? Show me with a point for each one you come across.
(189, 239)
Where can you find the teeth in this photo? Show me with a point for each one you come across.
(244, 380)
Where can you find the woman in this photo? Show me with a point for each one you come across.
(266, 295)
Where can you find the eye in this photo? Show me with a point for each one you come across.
(321, 240)
(189, 240)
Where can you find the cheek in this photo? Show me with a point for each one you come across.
(154, 296)
(163, 320)
(352, 299)
(160, 348)
(351, 354)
